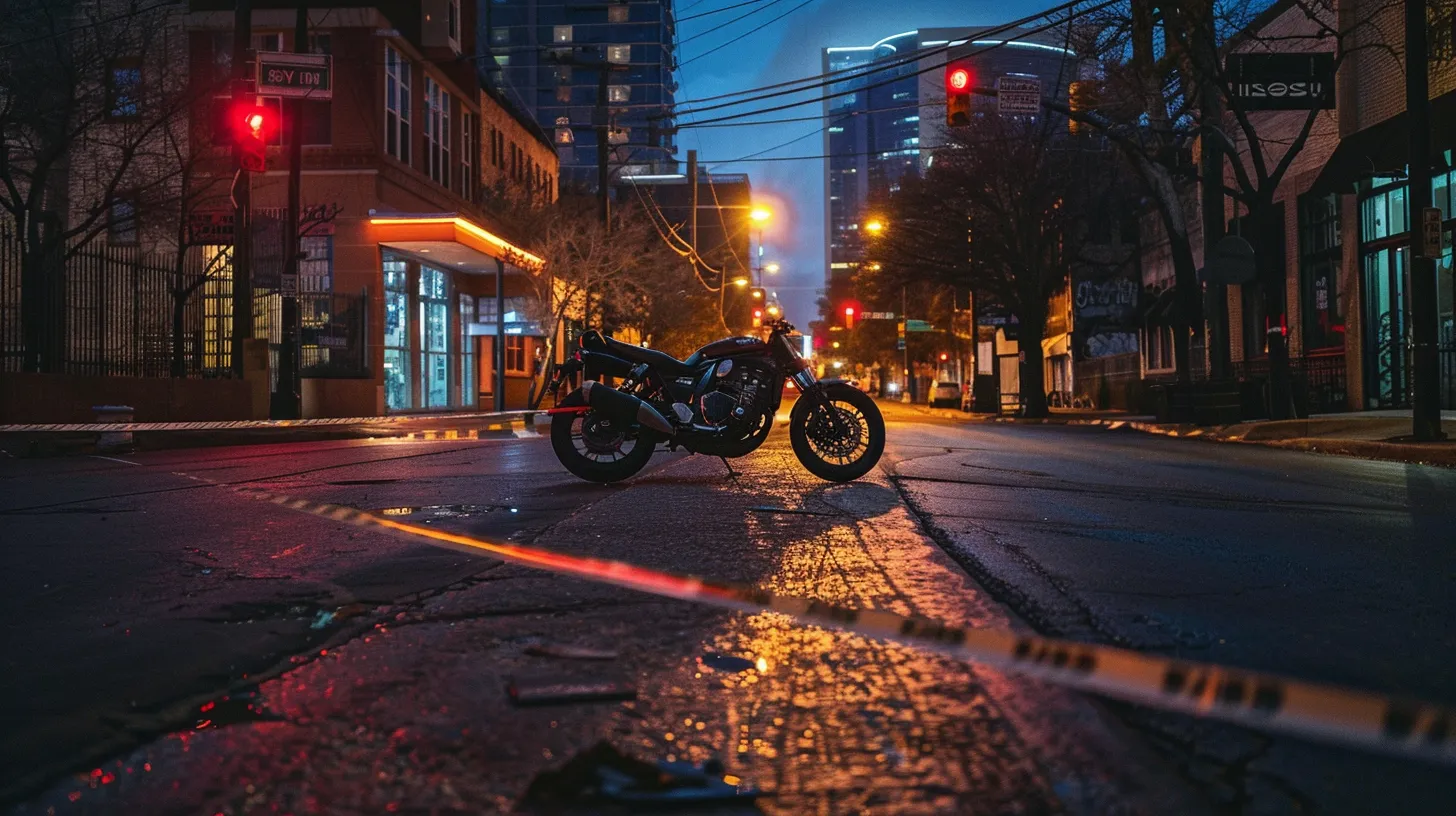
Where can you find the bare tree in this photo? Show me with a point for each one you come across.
(88, 91)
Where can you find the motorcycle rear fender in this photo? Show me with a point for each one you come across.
(597, 364)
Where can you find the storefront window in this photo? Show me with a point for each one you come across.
(1319, 273)
(434, 339)
(468, 388)
(397, 396)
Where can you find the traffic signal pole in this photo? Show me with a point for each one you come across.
(1423, 311)
(242, 317)
(290, 384)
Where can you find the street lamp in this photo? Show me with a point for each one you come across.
(740, 281)
(874, 226)
(772, 269)
(761, 216)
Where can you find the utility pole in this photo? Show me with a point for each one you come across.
(603, 127)
(1423, 311)
(289, 382)
(1211, 112)
(242, 193)
(905, 316)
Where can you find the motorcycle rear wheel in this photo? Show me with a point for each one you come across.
(823, 447)
(583, 445)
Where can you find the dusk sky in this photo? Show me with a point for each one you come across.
(785, 50)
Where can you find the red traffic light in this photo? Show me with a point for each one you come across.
(958, 79)
(254, 127)
(849, 311)
(944, 356)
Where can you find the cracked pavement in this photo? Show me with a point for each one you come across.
(177, 648)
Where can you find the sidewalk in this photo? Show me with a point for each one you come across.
(60, 439)
(1374, 435)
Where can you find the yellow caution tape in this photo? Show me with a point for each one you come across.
(1266, 702)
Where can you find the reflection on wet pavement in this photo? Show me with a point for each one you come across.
(414, 715)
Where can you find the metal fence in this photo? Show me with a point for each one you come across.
(1448, 376)
(1319, 381)
(104, 310)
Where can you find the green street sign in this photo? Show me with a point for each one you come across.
(918, 325)
(302, 76)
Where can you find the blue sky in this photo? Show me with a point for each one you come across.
(786, 50)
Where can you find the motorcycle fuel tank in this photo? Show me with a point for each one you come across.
(731, 345)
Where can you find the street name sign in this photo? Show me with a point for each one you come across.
(300, 76)
(1431, 232)
(1282, 81)
(1018, 95)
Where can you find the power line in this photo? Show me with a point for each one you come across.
(718, 11)
(786, 120)
(936, 66)
(747, 33)
(823, 80)
(718, 27)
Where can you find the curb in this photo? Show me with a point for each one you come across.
(46, 442)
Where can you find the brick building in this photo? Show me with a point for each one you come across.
(402, 162)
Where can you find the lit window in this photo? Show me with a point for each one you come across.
(619, 93)
(618, 135)
(563, 93)
(500, 36)
(396, 105)
(619, 54)
(502, 60)
(617, 13)
(561, 34)
(563, 130)
(515, 354)
(563, 73)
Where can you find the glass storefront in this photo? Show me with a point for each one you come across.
(469, 392)
(434, 339)
(398, 387)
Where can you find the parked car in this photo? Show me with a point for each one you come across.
(945, 395)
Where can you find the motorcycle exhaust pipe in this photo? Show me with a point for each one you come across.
(623, 407)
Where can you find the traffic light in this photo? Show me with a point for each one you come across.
(944, 356)
(757, 318)
(849, 317)
(958, 79)
(756, 294)
(253, 126)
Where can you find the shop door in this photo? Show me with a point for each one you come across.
(1385, 328)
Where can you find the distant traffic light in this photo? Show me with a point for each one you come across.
(757, 318)
(849, 317)
(253, 126)
(944, 356)
(958, 80)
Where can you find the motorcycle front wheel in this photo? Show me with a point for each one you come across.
(840, 446)
(594, 448)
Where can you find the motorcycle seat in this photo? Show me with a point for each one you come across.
(667, 364)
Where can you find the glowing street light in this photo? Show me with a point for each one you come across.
(874, 226)
(773, 310)
(760, 214)
(740, 281)
(772, 268)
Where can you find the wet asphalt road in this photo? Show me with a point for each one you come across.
(174, 647)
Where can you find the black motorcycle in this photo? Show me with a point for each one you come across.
(721, 401)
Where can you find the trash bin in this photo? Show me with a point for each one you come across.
(114, 441)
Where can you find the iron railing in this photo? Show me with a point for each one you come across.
(1319, 381)
(104, 310)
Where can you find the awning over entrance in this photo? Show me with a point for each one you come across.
(1381, 149)
(450, 241)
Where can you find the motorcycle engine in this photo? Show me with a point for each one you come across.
(737, 394)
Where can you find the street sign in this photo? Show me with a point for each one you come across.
(289, 285)
(210, 228)
(877, 316)
(918, 326)
(295, 75)
(1282, 81)
(1430, 232)
(1018, 95)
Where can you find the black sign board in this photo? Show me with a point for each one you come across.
(1282, 81)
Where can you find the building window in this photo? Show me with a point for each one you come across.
(398, 385)
(316, 266)
(515, 354)
(618, 135)
(437, 132)
(123, 89)
(121, 223)
(267, 41)
(619, 93)
(500, 36)
(1319, 272)
(318, 122)
(563, 131)
(452, 20)
(561, 34)
(617, 13)
(469, 391)
(563, 93)
(320, 43)
(467, 156)
(563, 74)
(1383, 215)
(619, 54)
(434, 339)
(396, 105)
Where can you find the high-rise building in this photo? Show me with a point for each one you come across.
(885, 112)
(584, 71)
